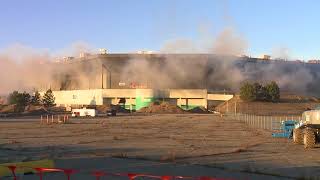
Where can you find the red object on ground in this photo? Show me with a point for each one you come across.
(131, 176)
(69, 172)
(166, 177)
(42, 170)
(13, 171)
(99, 174)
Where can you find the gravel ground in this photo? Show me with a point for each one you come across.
(181, 140)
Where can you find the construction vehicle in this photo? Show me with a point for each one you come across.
(286, 128)
(307, 131)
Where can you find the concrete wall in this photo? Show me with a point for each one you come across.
(183, 97)
(220, 97)
(188, 93)
(127, 93)
(79, 97)
(120, 93)
(192, 102)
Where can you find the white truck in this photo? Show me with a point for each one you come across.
(84, 112)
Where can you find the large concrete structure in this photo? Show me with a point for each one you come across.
(187, 80)
(135, 99)
(176, 71)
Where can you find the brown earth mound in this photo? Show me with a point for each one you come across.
(8, 108)
(56, 109)
(103, 108)
(163, 107)
(288, 105)
(35, 110)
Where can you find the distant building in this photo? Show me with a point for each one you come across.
(103, 51)
(314, 61)
(265, 57)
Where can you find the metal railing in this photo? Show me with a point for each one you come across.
(263, 122)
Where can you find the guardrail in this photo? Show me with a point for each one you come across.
(263, 122)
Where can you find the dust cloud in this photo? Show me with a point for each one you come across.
(190, 64)
(27, 69)
(219, 66)
(181, 63)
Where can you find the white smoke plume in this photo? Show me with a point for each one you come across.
(219, 71)
(23, 68)
(26, 69)
(281, 53)
(187, 70)
(228, 42)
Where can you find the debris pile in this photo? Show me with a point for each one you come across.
(163, 107)
(103, 108)
(200, 110)
(8, 108)
(35, 110)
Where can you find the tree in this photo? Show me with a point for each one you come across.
(20, 99)
(48, 99)
(261, 93)
(258, 92)
(273, 91)
(248, 92)
(24, 98)
(13, 97)
(36, 98)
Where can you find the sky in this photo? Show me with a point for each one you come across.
(129, 25)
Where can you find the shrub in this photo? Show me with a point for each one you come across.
(20, 99)
(13, 97)
(261, 92)
(258, 92)
(273, 91)
(248, 92)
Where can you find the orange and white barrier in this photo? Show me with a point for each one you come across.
(99, 174)
(52, 119)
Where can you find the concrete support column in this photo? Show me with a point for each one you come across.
(205, 103)
(130, 99)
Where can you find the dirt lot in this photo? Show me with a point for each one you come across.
(193, 139)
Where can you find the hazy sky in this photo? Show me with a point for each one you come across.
(130, 25)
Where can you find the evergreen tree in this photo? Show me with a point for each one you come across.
(248, 92)
(48, 99)
(19, 99)
(273, 91)
(36, 98)
(13, 97)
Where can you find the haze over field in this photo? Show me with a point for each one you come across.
(24, 67)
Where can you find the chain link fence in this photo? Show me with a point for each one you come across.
(263, 122)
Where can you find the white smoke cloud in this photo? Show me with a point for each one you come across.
(281, 53)
(228, 42)
(24, 68)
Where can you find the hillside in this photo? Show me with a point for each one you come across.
(289, 105)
